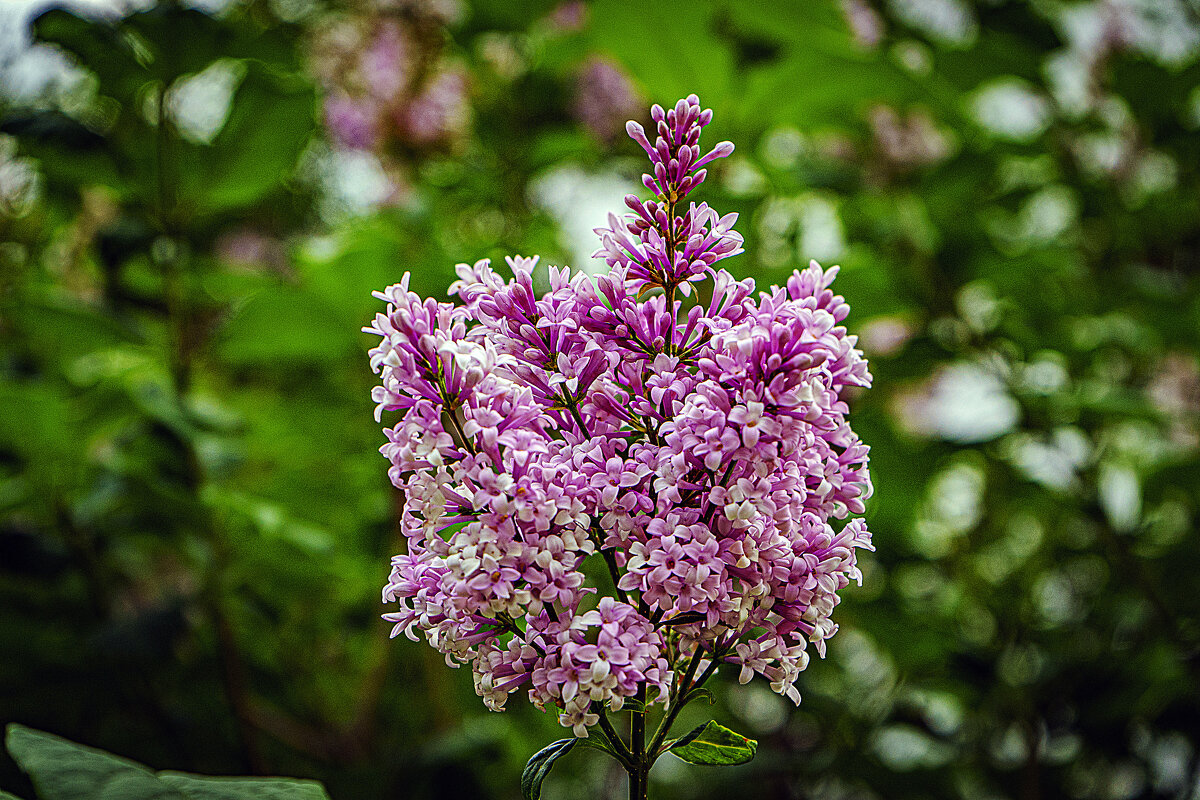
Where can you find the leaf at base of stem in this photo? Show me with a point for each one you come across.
(539, 767)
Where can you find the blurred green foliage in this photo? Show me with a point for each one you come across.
(195, 526)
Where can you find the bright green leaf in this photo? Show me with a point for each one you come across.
(283, 325)
(714, 745)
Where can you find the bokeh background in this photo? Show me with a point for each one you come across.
(197, 199)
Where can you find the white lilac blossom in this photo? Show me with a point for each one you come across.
(621, 484)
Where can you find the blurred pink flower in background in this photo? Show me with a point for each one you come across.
(1174, 391)
(391, 93)
(885, 336)
(569, 17)
(866, 25)
(604, 98)
(440, 112)
(907, 141)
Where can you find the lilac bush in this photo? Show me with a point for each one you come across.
(615, 487)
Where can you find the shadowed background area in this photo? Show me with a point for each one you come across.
(197, 199)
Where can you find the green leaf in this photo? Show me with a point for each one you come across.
(633, 704)
(539, 767)
(699, 693)
(7, 796)
(63, 770)
(203, 787)
(286, 325)
(714, 745)
(99, 46)
(178, 41)
(270, 121)
(71, 154)
(699, 61)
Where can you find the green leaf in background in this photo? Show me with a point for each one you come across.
(201, 787)
(285, 324)
(178, 41)
(539, 767)
(714, 745)
(100, 46)
(271, 118)
(698, 61)
(700, 694)
(62, 770)
(70, 153)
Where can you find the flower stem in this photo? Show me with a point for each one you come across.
(640, 769)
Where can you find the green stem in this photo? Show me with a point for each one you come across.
(674, 320)
(573, 406)
(611, 560)
(681, 699)
(619, 751)
(640, 773)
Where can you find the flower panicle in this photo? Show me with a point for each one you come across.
(608, 481)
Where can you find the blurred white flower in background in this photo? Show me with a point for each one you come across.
(1009, 108)
(580, 202)
(963, 402)
(199, 104)
(20, 183)
(949, 21)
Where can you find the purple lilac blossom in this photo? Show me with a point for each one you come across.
(616, 478)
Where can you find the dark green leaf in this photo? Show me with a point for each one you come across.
(178, 41)
(203, 787)
(62, 770)
(71, 154)
(714, 745)
(99, 46)
(686, 618)
(539, 767)
(699, 694)
(270, 121)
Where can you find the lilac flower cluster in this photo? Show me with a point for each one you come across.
(615, 483)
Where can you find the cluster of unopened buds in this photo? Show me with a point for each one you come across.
(616, 486)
